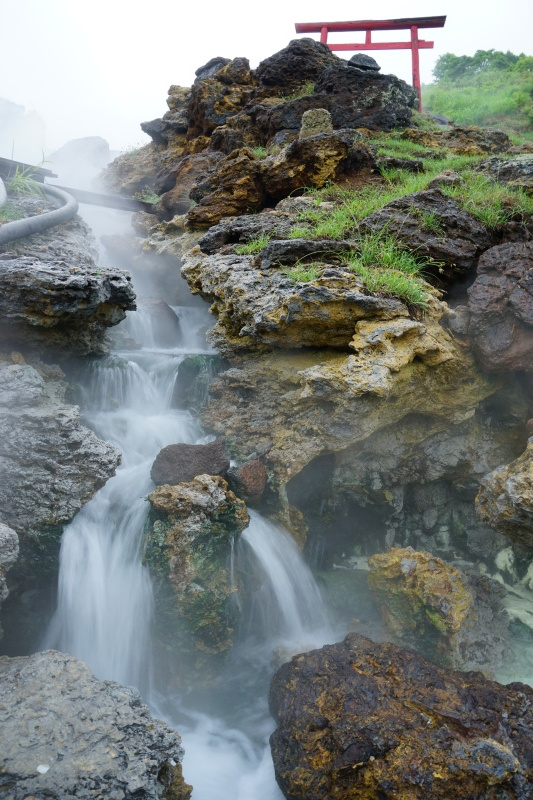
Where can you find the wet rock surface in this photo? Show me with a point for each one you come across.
(53, 295)
(180, 463)
(255, 308)
(515, 171)
(505, 500)
(434, 607)
(189, 536)
(50, 464)
(9, 550)
(435, 227)
(68, 735)
(500, 303)
(373, 721)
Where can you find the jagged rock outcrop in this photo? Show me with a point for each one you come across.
(296, 406)
(180, 463)
(54, 296)
(66, 734)
(505, 500)
(435, 608)
(189, 537)
(133, 171)
(230, 109)
(373, 721)
(500, 303)
(50, 464)
(258, 307)
(303, 60)
(436, 228)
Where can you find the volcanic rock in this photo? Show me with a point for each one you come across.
(53, 295)
(249, 480)
(302, 61)
(312, 160)
(373, 721)
(50, 464)
(501, 308)
(315, 121)
(364, 61)
(431, 606)
(505, 500)
(435, 227)
(180, 463)
(515, 171)
(9, 550)
(66, 734)
(234, 188)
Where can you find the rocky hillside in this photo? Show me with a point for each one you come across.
(373, 309)
(369, 273)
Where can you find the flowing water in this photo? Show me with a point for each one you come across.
(105, 603)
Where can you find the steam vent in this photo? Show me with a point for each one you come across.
(266, 504)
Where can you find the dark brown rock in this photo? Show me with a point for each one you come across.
(455, 620)
(249, 480)
(312, 161)
(365, 721)
(366, 99)
(180, 463)
(219, 92)
(244, 228)
(303, 60)
(234, 188)
(501, 308)
(505, 500)
(435, 227)
(177, 177)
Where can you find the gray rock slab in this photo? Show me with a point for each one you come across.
(66, 734)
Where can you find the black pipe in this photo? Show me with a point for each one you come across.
(40, 222)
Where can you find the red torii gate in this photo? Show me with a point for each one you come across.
(368, 25)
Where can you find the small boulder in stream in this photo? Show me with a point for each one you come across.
(180, 463)
(65, 734)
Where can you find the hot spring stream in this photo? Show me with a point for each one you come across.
(105, 603)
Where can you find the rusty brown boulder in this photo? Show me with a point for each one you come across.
(365, 721)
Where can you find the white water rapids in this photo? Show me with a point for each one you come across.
(105, 601)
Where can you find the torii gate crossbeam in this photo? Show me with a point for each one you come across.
(411, 24)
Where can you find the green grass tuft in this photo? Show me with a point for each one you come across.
(303, 274)
(254, 246)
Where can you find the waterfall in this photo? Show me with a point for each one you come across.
(105, 602)
(104, 592)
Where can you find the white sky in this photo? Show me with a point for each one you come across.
(102, 67)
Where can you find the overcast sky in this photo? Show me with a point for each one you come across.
(102, 67)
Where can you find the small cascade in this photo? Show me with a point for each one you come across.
(104, 594)
(288, 605)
